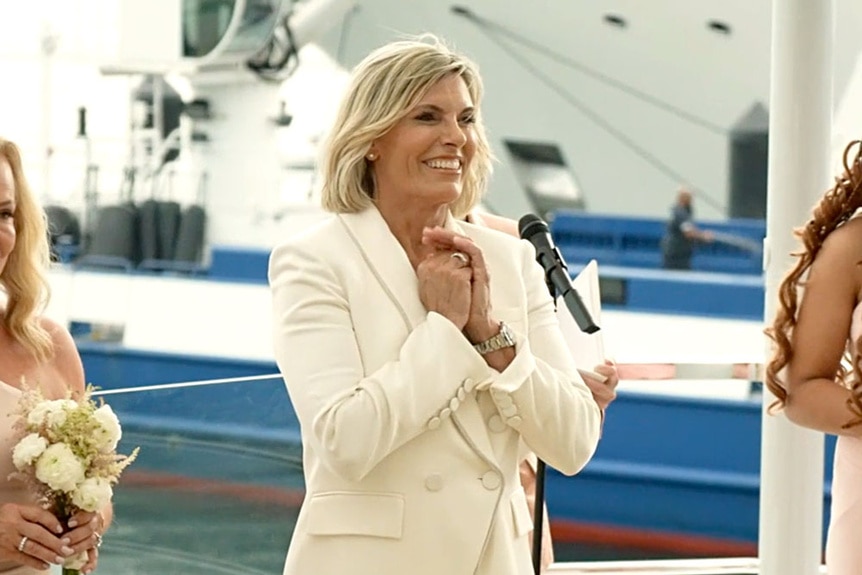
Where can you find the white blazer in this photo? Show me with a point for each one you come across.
(411, 443)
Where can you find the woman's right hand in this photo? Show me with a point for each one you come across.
(445, 286)
(40, 532)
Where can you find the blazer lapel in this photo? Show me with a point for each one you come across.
(471, 424)
(469, 416)
(387, 261)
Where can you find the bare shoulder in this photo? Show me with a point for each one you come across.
(66, 361)
(842, 247)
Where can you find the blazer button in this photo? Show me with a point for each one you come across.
(514, 421)
(444, 413)
(468, 385)
(503, 400)
(496, 424)
(491, 480)
(434, 482)
(509, 411)
(461, 394)
(454, 404)
(434, 423)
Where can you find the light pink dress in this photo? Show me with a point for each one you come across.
(843, 546)
(11, 491)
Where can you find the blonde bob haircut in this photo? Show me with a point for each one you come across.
(384, 87)
(24, 276)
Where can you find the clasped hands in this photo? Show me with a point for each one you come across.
(460, 291)
(32, 536)
(457, 286)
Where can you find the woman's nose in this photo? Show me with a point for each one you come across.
(454, 133)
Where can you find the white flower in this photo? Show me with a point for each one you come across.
(75, 562)
(58, 411)
(52, 413)
(59, 468)
(92, 494)
(109, 432)
(36, 417)
(28, 449)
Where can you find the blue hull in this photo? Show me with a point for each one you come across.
(671, 473)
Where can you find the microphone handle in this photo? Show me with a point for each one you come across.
(560, 284)
(579, 311)
(558, 274)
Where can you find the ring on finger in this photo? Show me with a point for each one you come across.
(98, 538)
(23, 542)
(461, 257)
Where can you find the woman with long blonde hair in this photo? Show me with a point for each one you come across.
(815, 369)
(35, 350)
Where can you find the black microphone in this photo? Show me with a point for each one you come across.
(533, 229)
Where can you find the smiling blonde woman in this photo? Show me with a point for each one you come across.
(421, 353)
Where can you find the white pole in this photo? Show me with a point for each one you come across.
(791, 494)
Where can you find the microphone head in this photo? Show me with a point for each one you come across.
(530, 225)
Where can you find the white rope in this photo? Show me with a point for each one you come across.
(182, 384)
(682, 371)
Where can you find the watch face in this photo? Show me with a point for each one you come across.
(505, 338)
(507, 333)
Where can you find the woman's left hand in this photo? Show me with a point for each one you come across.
(604, 392)
(480, 326)
(85, 536)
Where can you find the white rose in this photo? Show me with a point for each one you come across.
(109, 432)
(92, 494)
(36, 417)
(57, 411)
(51, 412)
(28, 449)
(59, 468)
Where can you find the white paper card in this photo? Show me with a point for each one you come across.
(588, 350)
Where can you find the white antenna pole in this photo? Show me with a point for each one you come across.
(791, 494)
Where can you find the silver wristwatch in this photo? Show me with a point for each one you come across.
(502, 340)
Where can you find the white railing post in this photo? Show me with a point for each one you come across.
(791, 494)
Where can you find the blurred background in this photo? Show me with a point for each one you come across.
(175, 141)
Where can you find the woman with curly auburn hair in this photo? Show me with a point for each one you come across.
(36, 351)
(815, 369)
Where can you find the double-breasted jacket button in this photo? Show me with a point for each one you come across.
(491, 480)
(468, 384)
(503, 400)
(454, 404)
(434, 423)
(496, 424)
(434, 482)
(515, 421)
(509, 411)
(445, 412)
(461, 394)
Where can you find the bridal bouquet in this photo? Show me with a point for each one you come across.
(67, 453)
